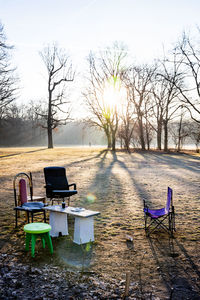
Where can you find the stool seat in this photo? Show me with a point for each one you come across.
(37, 227)
(35, 230)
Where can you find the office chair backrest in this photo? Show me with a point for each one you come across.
(56, 177)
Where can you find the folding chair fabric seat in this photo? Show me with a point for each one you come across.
(155, 213)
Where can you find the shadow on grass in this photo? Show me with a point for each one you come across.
(110, 185)
(15, 154)
(174, 160)
(105, 183)
(178, 272)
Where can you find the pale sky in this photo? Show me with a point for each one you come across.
(79, 26)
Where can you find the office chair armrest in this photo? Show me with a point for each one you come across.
(48, 185)
(73, 184)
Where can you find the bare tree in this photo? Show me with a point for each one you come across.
(149, 130)
(189, 61)
(59, 68)
(138, 82)
(194, 133)
(158, 107)
(127, 125)
(168, 103)
(93, 95)
(179, 130)
(7, 75)
(105, 71)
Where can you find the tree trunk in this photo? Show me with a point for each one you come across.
(109, 142)
(113, 129)
(113, 138)
(165, 136)
(159, 147)
(159, 135)
(108, 136)
(113, 144)
(147, 136)
(148, 140)
(49, 122)
(141, 132)
(179, 134)
(127, 143)
(50, 137)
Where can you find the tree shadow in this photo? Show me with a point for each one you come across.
(175, 160)
(177, 273)
(102, 152)
(115, 186)
(140, 190)
(105, 183)
(15, 154)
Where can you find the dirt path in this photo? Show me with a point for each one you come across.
(116, 184)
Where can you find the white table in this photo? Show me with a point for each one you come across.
(83, 225)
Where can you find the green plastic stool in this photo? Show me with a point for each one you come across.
(35, 230)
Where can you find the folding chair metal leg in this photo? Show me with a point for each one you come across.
(157, 223)
(145, 223)
(173, 222)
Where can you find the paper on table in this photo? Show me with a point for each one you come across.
(77, 209)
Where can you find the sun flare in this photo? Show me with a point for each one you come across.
(114, 94)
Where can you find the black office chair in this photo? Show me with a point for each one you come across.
(57, 187)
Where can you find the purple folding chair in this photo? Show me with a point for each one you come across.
(160, 218)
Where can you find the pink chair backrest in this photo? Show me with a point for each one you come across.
(22, 191)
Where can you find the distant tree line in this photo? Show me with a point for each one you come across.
(133, 104)
(162, 100)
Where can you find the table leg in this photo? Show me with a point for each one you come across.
(83, 230)
(59, 223)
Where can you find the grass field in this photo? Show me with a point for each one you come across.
(115, 183)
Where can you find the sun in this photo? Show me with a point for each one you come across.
(114, 94)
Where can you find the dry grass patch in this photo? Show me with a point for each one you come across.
(116, 184)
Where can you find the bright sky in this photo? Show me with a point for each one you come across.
(84, 25)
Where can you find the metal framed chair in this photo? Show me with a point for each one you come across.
(57, 186)
(21, 198)
(160, 218)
